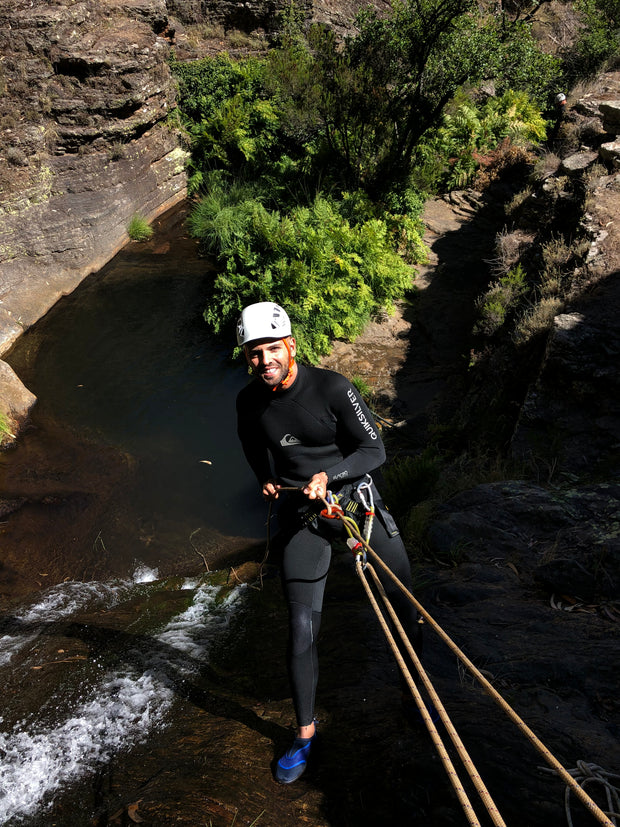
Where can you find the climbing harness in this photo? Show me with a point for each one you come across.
(335, 510)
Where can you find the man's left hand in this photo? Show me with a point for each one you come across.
(316, 488)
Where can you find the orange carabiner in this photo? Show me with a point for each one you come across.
(336, 512)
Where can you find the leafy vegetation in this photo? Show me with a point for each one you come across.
(502, 296)
(332, 274)
(138, 228)
(5, 426)
(311, 163)
(597, 40)
(473, 135)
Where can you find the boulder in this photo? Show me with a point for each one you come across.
(611, 152)
(577, 163)
(610, 110)
(16, 402)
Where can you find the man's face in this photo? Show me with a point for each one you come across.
(270, 361)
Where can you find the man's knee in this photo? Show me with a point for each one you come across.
(301, 629)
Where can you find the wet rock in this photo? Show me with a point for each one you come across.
(16, 402)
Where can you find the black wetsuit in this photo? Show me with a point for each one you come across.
(319, 423)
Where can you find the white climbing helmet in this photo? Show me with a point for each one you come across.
(264, 320)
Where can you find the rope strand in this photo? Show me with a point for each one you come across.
(454, 736)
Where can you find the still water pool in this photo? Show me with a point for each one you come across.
(127, 361)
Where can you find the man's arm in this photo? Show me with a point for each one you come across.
(357, 434)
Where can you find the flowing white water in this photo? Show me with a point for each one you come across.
(63, 601)
(121, 710)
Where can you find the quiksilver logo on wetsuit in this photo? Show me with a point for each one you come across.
(361, 415)
(289, 439)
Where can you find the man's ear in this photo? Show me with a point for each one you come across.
(293, 346)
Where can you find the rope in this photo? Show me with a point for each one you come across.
(436, 738)
(585, 799)
(571, 783)
(585, 773)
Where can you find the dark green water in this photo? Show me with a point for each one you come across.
(126, 361)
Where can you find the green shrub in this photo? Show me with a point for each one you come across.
(205, 85)
(138, 228)
(538, 319)
(597, 41)
(363, 388)
(502, 296)
(470, 133)
(232, 119)
(329, 274)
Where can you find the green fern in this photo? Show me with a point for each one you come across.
(330, 275)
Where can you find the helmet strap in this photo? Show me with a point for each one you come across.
(291, 364)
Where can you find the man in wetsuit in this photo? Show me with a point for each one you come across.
(307, 428)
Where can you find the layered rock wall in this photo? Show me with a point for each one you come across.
(84, 145)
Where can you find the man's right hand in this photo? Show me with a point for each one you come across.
(271, 490)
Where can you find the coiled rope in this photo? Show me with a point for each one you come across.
(585, 773)
(591, 806)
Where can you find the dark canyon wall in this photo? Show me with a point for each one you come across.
(84, 145)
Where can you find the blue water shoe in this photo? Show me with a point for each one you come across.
(294, 761)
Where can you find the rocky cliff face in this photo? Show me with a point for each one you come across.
(86, 90)
(262, 16)
(572, 408)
